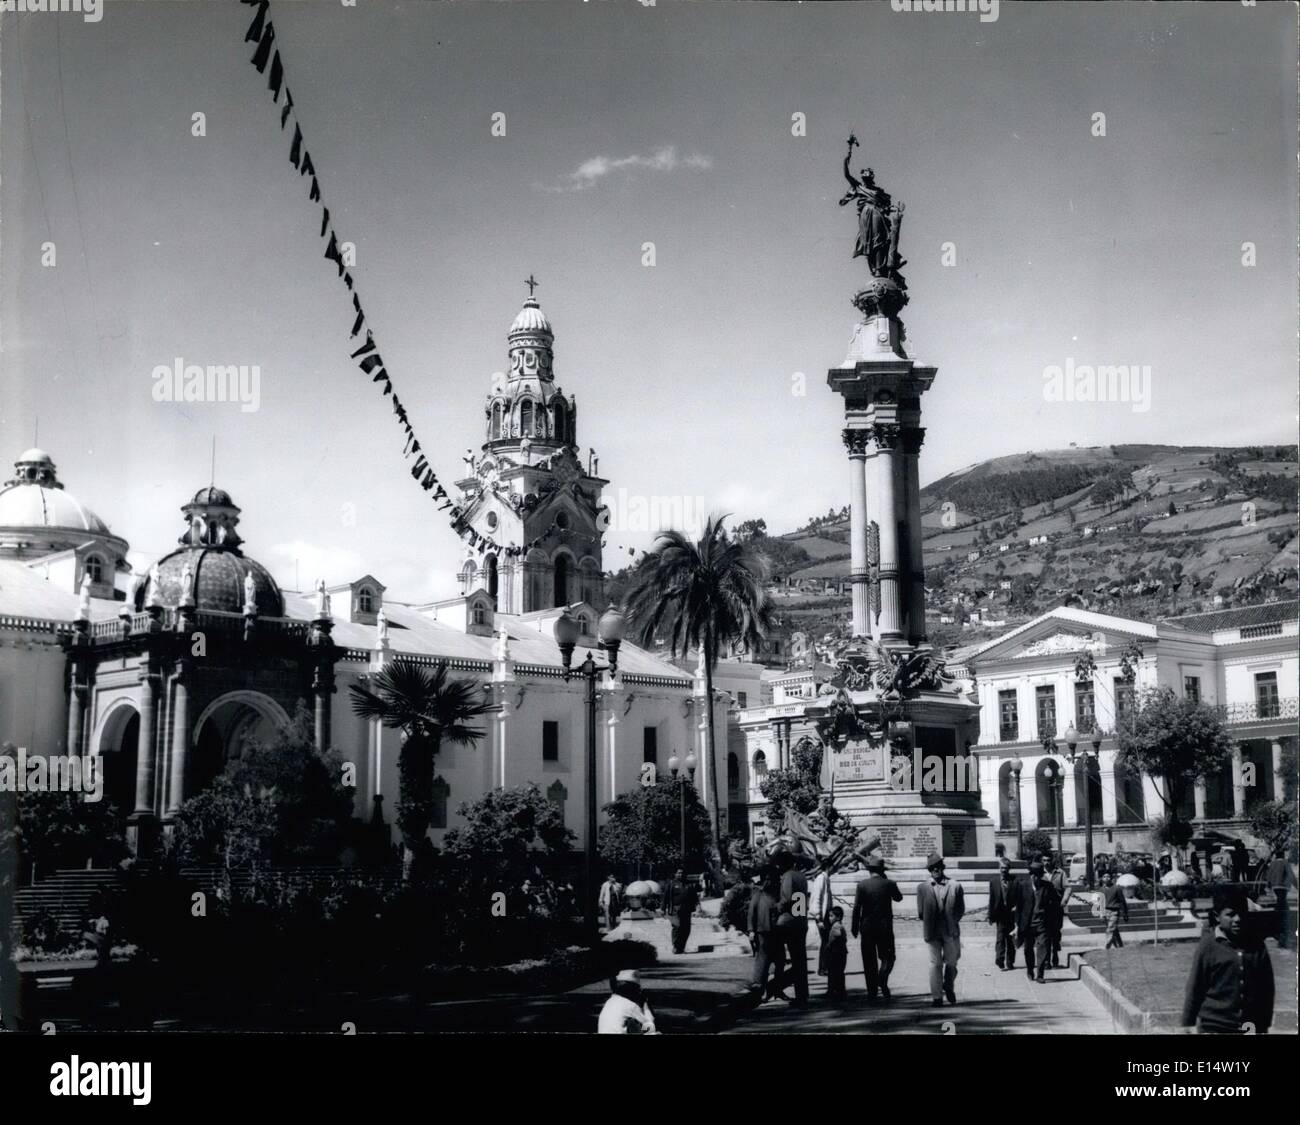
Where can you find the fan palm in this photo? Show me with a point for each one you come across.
(706, 596)
(429, 709)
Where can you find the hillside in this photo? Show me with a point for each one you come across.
(1136, 530)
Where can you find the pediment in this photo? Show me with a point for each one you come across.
(1060, 642)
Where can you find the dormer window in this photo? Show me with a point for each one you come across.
(479, 614)
(95, 569)
(365, 600)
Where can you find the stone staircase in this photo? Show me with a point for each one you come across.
(1144, 923)
(67, 895)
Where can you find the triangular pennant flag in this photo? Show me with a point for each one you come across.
(416, 447)
(308, 168)
(444, 507)
(332, 250)
(295, 149)
(324, 221)
(368, 346)
(371, 362)
(277, 77)
(254, 32)
(347, 280)
(356, 325)
(420, 465)
(263, 52)
(427, 483)
(314, 194)
(388, 385)
(288, 105)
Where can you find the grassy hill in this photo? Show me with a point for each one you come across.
(1136, 530)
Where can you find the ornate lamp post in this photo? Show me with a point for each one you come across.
(673, 765)
(610, 633)
(1016, 766)
(1072, 741)
(1055, 788)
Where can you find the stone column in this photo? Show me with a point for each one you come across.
(1199, 797)
(886, 436)
(180, 745)
(146, 746)
(502, 718)
(1279, 778)
(76, 716)
(1028, 804)
(1069, 797)
(855, 441)
(1238, 784)
(1109, 798)
(913, 436)
(611, 744)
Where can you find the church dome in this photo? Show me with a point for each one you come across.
(218, 568)
(34, 498)
(218, 576)
(531, 319)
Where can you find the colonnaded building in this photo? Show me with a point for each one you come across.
(97, 660)
(1069, 667)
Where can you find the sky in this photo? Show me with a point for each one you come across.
(1031, 242)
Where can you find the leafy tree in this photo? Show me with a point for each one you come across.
(798, 787)
(643, 828)
(751, 529)
(1176, 741)
(707, 596)
(1038, 843)
(429, 709)
(1274, 822)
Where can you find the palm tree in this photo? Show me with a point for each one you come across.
(429, 709)
(705, 596)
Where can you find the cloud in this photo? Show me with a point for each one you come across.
(591, 171)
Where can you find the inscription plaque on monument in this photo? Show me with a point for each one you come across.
(859, 761)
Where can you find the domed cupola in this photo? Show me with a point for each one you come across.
(38, 516)
(532, 344)
(209, 567)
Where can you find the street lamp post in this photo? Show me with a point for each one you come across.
(1055, 788)
(1016, 766)
(673, 765)
(1072, 741)
(610, 636)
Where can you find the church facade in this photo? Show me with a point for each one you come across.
(166, 675)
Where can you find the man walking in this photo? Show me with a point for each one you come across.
(1115, 906)
(792, 923)
(820, 909)
(1230, 986)
(611, 894)
(940, 906)
(1003, 895)
(763, 912)
(1064, 892)
(873, 919)
(680, 902)
(1042, 917)
(1279, 876)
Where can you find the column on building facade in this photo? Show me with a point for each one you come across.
(180, 744)
(146, 746)
(1279, 777)
(990, 782)
(885, 437)
(1069, 797)
(1238, 782)
(1027, 794)
(76, 716)
(855, 441)
(913, 436)
(613, 710)
(1109, 798)
(1199, 797)
(500, 728)
(1152, 802)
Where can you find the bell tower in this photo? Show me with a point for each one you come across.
(528, 489)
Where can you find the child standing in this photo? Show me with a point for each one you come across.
(837, 954)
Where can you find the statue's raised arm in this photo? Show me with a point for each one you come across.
(854, 185)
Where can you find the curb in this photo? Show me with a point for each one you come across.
(1131, 1019)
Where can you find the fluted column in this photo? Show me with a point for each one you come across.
(146, 747)
(1238, 782)
(855, 441)
(886, 437)
(1198, 794)
(913, 436)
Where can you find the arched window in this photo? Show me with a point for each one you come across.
(560, 421)
(584, 625)
(496, 421)
(760, 766)
(478, 615)
(1045, 791)
(1006, 783)
(365, 600)
(95, 568)
(1130, 802)
(1091, 792)
(561, 580)
(490, 565)
(733, 773)
(526, 418)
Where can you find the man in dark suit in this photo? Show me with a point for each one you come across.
(873, 918)
(680, 901)
(1040, 906)
(1004, 894)
(792, 924)
(940, 906)
(763, 912)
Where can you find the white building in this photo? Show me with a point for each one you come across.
(1242, 660)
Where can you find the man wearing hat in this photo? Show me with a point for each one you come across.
(1230, 988)
(1040, 908)
(1004, 896)
(626, 1012)
(940, 906)
(873, 918)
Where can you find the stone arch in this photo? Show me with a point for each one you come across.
(490, 576)
(559, 420)
(116, 743)
(1006, 783)
(526, 409)
(224, 726)
(562, 578)
(1045, 791)
(760, 766)
(733, 773)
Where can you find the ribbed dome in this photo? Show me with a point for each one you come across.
(217, 497)
(218, 581)
(531, 319)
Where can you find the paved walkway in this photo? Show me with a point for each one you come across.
(989, 1000)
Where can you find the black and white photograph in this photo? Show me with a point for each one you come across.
(685, 518)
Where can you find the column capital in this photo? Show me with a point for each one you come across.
(886, 435)
(855, 441)
(913, 437)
